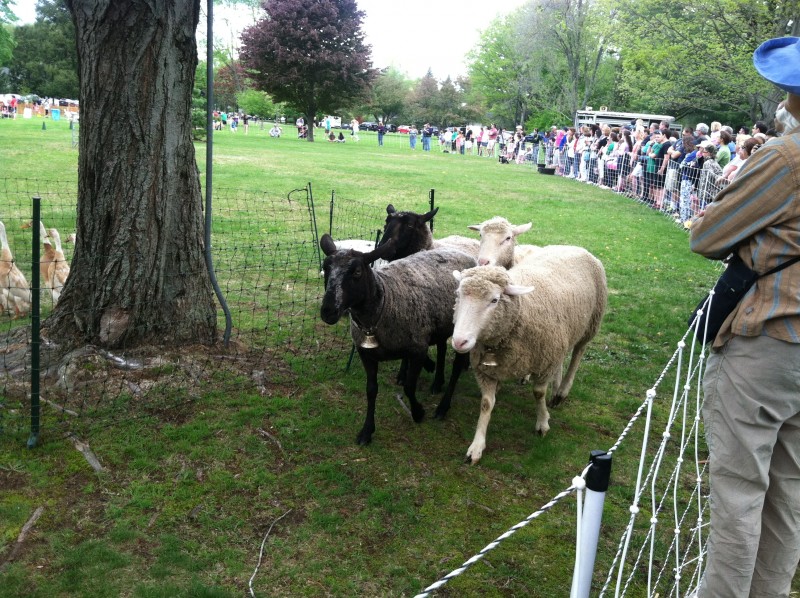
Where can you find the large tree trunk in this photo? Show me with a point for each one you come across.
(138, 274)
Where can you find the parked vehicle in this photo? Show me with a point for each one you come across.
(368, 125)
(404, 128)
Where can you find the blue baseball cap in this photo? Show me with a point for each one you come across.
(778, 61)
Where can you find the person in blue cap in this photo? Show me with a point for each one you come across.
(751, 385)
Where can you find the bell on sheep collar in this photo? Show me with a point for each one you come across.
(369, 342)
(489, 359)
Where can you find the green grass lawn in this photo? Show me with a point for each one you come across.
(187, 496)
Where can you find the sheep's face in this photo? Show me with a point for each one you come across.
(498, 238)
(344, 273)
(409, 232)
(482, 293)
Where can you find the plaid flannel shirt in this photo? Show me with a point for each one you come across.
(758, 214)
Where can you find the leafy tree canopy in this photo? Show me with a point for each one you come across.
(45, 61)
(6, 40)
(310, 54)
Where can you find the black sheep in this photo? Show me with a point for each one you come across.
(396, 312)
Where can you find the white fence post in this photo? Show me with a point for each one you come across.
(597, 479)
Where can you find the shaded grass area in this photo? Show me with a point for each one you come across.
(190, 490)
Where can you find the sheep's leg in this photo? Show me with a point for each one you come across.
(371, 370)
(542, 415)
(558, 377)
(410, 387)
(438, 378)
(488, 390)
(402, 372)
(561, 391)
(460, 363)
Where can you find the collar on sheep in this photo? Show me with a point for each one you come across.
(369, 342)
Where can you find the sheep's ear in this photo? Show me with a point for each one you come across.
(475, 227)
(429, 215)
(327, 245)
(457, 275)
(521, 228)
(515, 289)
(390, 209)
(385, 251)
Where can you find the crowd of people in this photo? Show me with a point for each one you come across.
(677, 172)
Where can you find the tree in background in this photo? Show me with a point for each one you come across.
(390, 94)
(310, 54)
(574, 31)
(45, 62)
(138, 273)
(6, 40)
(704, 54)
(259, 103)
(503, 76)
(230, 80)
(424, 100)
(449, 104)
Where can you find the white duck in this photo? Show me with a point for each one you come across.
(16, 295)
(59, 268)
(48, 255)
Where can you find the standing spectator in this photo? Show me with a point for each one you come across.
(723, 150)
(760, 127)
(501, 142)
(327, 125)
(586, 152)
(427, 133)
(624, 159)
(246, 123)
(354, 129)
(651, 167)
(491, 141)
(479, 141)
(714, 130)
(752, 391)
(234, 122)
(710, 171)
(662, 160)
(412, 136)
(381, 133)
(688, 174)
(224, 118)
(700, 133)
(743, 154)
(675, 153)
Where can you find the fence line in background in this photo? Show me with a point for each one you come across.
(267, 261)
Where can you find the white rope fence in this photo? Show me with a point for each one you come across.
(491, 546)
(665, 489)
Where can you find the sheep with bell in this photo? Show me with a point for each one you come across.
(396, 312)
(526, 321)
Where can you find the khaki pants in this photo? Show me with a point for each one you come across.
(752, 420)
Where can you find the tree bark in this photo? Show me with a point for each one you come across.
(138, 273)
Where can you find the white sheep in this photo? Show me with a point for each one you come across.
(526, 320)
(498, 245)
